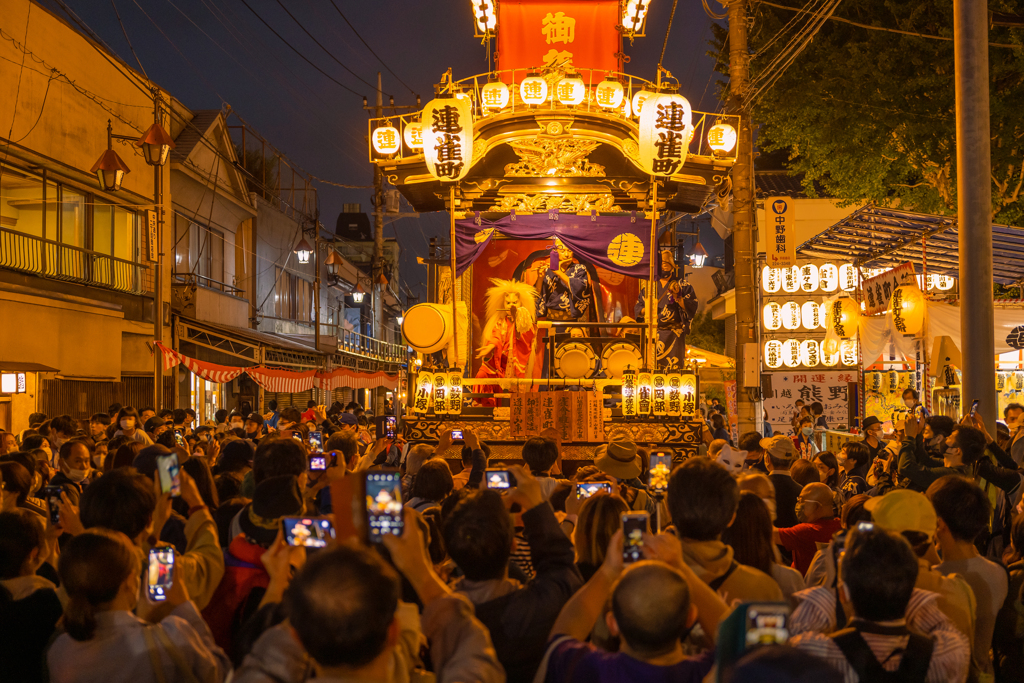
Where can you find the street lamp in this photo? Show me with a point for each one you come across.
(333, 263)
(357, 294)
(109, 168)
(698, 256)
(156, 145)
(303, 250)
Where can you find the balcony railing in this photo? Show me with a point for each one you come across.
(359, 344)
(58, 261)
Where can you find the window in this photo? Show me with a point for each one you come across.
(199, 250)
(293, 297)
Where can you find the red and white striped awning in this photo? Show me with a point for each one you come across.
(278, 380)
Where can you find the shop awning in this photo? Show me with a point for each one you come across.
(8, 366)
(875, 237)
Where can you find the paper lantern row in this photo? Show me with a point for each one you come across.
(792, 315)
(441, 390)
(810, 353)
(654, 393)
(1009, 382)
(889, 382)
(809, 278)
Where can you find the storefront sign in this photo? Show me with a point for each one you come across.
(878, 290)
(781, 232)
(828, 388)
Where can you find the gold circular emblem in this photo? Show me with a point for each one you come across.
(626, 250)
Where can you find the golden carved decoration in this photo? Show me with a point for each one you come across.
(560, 157)
(568, 203)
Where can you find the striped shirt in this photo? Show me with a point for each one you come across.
(816, 617)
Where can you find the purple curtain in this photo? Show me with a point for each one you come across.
(617, 243)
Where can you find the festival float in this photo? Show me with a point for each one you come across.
(556, 169)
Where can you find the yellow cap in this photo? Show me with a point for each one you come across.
(903, 510)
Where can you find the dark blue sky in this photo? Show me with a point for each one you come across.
(317, 124)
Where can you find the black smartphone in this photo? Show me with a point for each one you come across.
(457, 435)
(318, 463)
(383, 504)
(308, 532)
(634, 525)
(160, 575)
(179, 439)
(316, 442)
(51, 494)
(169, 471)
(585, 489)
(974, 407)
(499, 480)
(390, 427)
(661, 468)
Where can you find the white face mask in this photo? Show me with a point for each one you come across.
(76, 475)
(807, 431)
(127, 423)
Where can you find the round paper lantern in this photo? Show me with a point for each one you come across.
(848, 352)
(385, 139)
(448, 137)
(791, 353)
(791, 315)
(809, 353)
(1000, 381)
(944, 282)
(571, 90)
(829, 359)
(892, 381)
(873, 382)
(633, 15)
(1018, 381)
(847, 277)
(533, 90)
(843, 317)
(639, 97)
(810, 312)
(413, 135)
(828, 277)
(609, 94)
(808, 277)
(790, 279)
(772, 316)
(771, 280)
(773, 354)
(494, 95)
(722, 138)
(907, 306)
(666, 124)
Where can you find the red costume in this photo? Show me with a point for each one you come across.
(507, 349)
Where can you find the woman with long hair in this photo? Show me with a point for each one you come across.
(750, 536)
(104, 641)
(599, 518)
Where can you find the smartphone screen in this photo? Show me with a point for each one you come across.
(585, 489)
(160, 574)
(297, 436)
(168, 468)
(318, 463)
(316, 442)
(974, 407)
(390, 427)
(51, 494)
(634, 524)
(309, 532)
(457, 435)
(661, 467)
(179, 439)
(499, 480)
(767, 625)
(919, 411)
(383, 505)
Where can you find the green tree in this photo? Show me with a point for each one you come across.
(707, 333)
(870, 114)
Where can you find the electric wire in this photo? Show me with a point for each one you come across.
(370, 48)
(668, 29)
(128, 40)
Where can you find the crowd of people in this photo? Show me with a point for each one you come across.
(901, 557)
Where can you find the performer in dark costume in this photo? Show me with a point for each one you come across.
(676, 306)
(564, 292)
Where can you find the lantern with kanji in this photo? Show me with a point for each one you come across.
(828, 277)
(873, 382)
(772, 316)
(386, 140)
(809, 353)
(441, 393)
(848, 352)
(811, 314)
(847, 277)
(674, 401)
(570, 90)
(722, 138)
(828, 359)
(808, 277)
(790, 280)
(665, 130)
(892, 381)
(688, 395)
(413, 135)
(843, 317)
(771, 280)
(424, 392)
(533, 90)
(629, 398)
(494, 95)
(455, 393)
(609, 93)
(448, 137)
(644, 392)
(639, 97)
(791, 315)
(773, 354)
(659, 399)
(907, 306)
(791, 353)
(1000, 381)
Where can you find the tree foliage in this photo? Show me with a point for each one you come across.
(707, 333)
(871, 115)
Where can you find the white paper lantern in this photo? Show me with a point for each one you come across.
(413, 135)
(791, 353)
(386, 140)
(790, 279)
(773, 354)
(772, 316)
(810, 312)
(847, 277)
(639, 97)
(848, 351)
(608, 94)
(828, 359)
(944, 282)
(494, 95)
(828, 277)
(791, 315)
(771, 279)
(810, 353)
(633, 14)
(448, 137)
(485, 15)
(722, 138)
(533, 90)
(570, 90)
(808, 277)
(665, 130)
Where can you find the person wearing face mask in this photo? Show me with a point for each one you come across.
(254, 427)
(803, 440)
(130, 425)
(912, 400)
(75, 463)
(873, 437)
(236, 421)
(1013, 415)
(676, 305)
(817, 523)
(962, 448)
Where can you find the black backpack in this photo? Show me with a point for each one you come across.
(913, 666)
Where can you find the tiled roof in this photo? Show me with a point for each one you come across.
(779, 184)
(190, 136)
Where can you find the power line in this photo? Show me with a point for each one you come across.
(304, 58)
(128, 40)
(370, 48)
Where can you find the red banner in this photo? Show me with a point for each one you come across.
(211, 372)
(537, 33)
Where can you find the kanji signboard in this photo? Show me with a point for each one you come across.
(780, 249)
(878, 290)
(537, 33)
(828, 388)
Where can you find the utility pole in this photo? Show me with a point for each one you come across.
(974, 204)
(378, 231)
(747, 351)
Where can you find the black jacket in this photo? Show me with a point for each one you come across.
(786, 492)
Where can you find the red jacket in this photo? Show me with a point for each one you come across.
(243, 571)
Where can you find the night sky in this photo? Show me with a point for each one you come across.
(232, 57)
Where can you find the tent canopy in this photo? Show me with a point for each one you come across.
(876, 237)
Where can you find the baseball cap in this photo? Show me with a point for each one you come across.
(779, 447)
(255, 417)
(903, 510)
(154, 423)
(870, 421)
(348, 419)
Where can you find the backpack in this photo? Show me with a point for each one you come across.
(913, 665)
